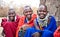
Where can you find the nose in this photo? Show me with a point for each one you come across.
(28, 12)
(41, 12)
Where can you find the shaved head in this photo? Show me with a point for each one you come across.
(11, 14)
(42, 11)
(41, 7)
(27, 8)
(28, 12)
(11, 11)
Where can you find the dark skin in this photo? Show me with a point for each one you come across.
(42, 12)
(11, 15)
(28, 13)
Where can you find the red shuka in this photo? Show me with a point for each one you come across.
(21, 22)
(10, 27)
(57, 32)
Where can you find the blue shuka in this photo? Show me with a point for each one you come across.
(47, 32)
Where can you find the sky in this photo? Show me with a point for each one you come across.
(18, 3)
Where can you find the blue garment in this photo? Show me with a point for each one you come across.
(47, 32)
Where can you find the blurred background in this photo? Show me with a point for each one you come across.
(53, 7)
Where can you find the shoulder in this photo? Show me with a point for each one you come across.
(4, 19)
(22, 18)
(34, 16)
(18, 16)
(51, 17)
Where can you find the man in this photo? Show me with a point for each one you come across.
(27, 19)
(45, 25)
(57, 32)
(10, 23)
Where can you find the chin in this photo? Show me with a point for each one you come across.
(28, 16)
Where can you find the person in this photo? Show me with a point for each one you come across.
(45, 24)
(57, 32)
(26, 20)
(10, 23)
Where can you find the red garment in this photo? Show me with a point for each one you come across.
(57, 32)
(21, 22)
(10, 27)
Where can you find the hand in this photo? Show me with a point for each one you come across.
(24, 27)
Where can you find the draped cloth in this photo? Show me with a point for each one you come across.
(57, 32)
(10, 27)
(46, 32)
(23, 20)
(42, 22)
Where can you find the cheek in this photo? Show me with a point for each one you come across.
(25, 13)
(30, 12)
(13, 14)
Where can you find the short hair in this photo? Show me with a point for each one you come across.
(43, 5)
(11, 9)
(27, 7)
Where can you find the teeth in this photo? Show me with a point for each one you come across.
(41, 15)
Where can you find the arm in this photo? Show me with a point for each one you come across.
(57, 32)
(3, 22)
(52, 25)
(35, 24)
(25, 26)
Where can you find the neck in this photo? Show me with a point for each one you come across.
(28, 19)
(11, 20)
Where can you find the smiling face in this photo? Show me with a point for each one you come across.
(11, 15)
(28, 12)
(42, 11)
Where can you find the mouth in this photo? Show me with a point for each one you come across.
(42, 16)
(29, 16)
(11, 17)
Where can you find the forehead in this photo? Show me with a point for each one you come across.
(11, 11)
(42, 7)
(27, 8)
